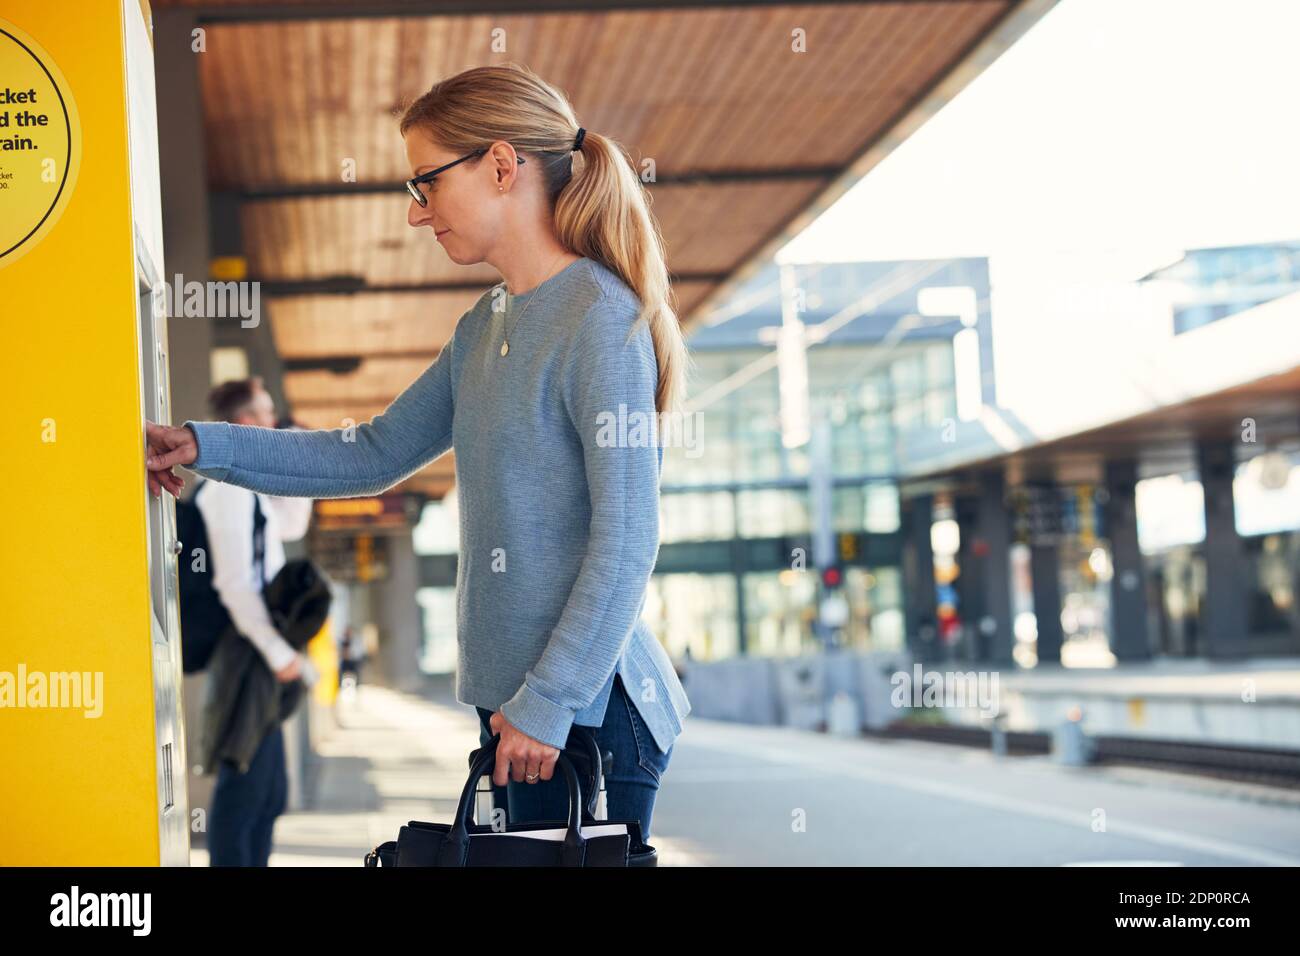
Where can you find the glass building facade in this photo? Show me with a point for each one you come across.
(736, 574)
(1212, 284)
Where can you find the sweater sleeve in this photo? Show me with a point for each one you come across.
(608, 376)
(346, 462)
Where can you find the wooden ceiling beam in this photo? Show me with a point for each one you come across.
(356, 285)
(389, 9)
(683, 178)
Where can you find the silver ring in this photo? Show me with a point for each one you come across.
(530, 777)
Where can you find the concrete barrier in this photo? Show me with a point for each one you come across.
(740, 689)
(875, 672)
(797, 691)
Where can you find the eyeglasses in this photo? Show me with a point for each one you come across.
(413, 185)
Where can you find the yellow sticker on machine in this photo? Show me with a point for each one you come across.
(40, 143)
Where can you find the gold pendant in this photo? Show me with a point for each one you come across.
(505, 347)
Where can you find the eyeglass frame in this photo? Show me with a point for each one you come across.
(413, 184)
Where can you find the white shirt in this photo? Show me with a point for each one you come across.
(228, 516)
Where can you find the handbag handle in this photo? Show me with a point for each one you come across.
(455, 845)
(585, 738)
(597, 767)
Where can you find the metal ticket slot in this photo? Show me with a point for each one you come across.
(91, 736)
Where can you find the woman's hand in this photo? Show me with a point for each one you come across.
(520, 756)
(168, 447)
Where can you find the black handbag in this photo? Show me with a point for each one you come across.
(581, 840)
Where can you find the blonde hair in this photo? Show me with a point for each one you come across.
(601, 208)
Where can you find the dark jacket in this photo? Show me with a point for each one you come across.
(243, 700)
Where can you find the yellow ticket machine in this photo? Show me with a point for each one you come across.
(92, 762)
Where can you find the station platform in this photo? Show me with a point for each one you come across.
(730, 793)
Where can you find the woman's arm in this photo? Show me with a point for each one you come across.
(605, 369)
(334, 463)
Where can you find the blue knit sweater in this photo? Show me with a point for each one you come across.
(558, 490)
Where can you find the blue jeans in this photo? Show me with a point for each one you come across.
(245, 805)
(630, 786)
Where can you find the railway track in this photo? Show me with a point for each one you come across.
(1274, 767)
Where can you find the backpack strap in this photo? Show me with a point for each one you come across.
(259, 540)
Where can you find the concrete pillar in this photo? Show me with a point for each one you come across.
(256, 339)
(738, 562)
(1045, 570)
(358, 615)
(182, 157)
(969, 584)
(397, 614)
(992, 549)
(820, 496)
(1225, 615)
(1129, 640)
(918, 579)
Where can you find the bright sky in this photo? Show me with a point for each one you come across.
(1111, 137)
(1128, 128)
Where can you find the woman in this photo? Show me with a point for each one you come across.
(558, 510)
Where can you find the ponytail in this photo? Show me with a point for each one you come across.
(604, 214)
(601, 208)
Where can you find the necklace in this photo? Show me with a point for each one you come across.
(505, 338)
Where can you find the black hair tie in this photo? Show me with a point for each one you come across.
(577, 143)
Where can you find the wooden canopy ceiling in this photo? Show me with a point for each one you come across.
(747, 137)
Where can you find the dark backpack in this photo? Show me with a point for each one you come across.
(203, 617)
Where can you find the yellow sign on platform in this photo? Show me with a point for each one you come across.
(40, 143)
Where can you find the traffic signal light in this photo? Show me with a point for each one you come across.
(832, 577)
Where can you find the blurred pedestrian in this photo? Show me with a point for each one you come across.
(245, 803)
(352, 654)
